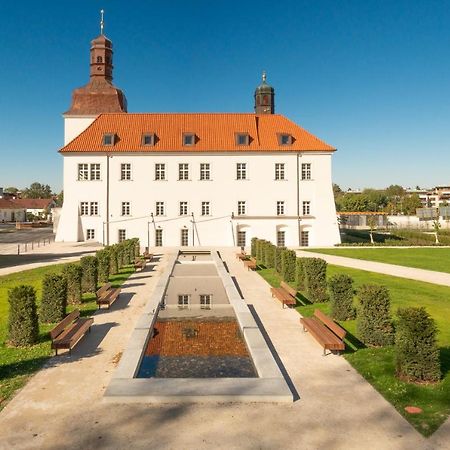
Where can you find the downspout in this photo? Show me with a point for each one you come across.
(298, 201)
(107, 199)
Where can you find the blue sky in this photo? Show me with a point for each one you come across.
(371, 78)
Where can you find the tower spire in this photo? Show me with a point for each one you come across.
(102, 23)
(264, 97)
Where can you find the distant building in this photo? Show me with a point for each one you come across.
(40, 208)
(361, 220)
(11, 212)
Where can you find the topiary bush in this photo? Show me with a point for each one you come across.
(103, 263)
(269, 256)
(315, 279)
(373, 321)
(23, 325)
(113, 260)
(277, 257)
(54, 298)
(253, 247)
(299, 275)
(341, 297)
(73, 274)
(259, 251)
(416, 350)
(288, 258)
(89, 278)
(137, 247)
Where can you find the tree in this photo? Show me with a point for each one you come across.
(37, 190)
(11, 190)
(410, 204)
(336, 190)
(60, 199)
(372, 222)
(395, 190)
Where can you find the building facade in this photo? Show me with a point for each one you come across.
(190, 179)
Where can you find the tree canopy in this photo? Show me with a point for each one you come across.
(37, 190)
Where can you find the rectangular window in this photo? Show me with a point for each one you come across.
(183, 301)
(205, 171)
(160, 171)
(279, 171)
(158, 237)
(126, 209)
(183, 171)
(205, 301)
(83, 172)
(95, 171)
(242, 139)
(183, 208)
(108, 139)
(94, 208)
(90, 234)
(84, 208)
(305, 239)
(241, 239)
(125, 171)
(241, 208)
(281, 241)
(241, 171)
(306, 171)
(122, 235)
(148, 139)
(160, 209)
(306, 208)
(184, 237)
(280, 208)
(205, 209)
(285, 139)
(188, 139)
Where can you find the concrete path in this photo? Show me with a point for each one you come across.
(62, 407)
(412, 273)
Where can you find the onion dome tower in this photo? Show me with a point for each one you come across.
(99, 95)
(264, 98)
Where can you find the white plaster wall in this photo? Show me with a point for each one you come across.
(74, 125)
(414, 222)
(260, 191)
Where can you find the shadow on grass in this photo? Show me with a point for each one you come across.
(22, 368)
(445, 360)
(302, 300)
(352, 343)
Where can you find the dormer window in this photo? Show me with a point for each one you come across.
(148, 139)
(188, 139)
(284, 139)
(108, 139)
(242, 139)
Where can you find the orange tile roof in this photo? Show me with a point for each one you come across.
(215, 132)
(33, 203)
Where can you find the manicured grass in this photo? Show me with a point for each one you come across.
(377, 365)
(18, 364)
(422, 258)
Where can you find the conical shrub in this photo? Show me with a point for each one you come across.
(89, 278)
(54, 298)
(73, 275)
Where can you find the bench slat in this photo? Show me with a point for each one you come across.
(64, 323)
(74, 335)
(291, 291)
(330, 323)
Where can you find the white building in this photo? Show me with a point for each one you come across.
(190, 179)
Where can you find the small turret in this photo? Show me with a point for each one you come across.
(264, 98)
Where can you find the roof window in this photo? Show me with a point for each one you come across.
(148, 139)
(109, 138)
(284, 139)
(242, 139)
(189, 139)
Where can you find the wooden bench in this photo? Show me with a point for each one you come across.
(107, 295)
(69, 331)
(241, 256)
(139, 264)
(325, 330)
(285, 294)
(148, 256)
(250, 264)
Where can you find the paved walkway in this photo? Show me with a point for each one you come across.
(412, 273)
(61, 407)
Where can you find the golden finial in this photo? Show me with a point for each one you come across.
(264, 76)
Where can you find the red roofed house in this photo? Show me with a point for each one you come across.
(198, 179)
(39, 207)
(10, 211)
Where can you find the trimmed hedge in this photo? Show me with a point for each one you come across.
(73, 274)
(278, 252)
(373, 321)
(341, 297)
(23, 325)
(113, 260)
(269, 256)
(253, 247)
(299, 274)
(89, 278)
(54, 298)
(288, 264)
(315, 276)
(103, 263)
(416, 350)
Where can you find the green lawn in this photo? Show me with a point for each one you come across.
(422, 258)
(377, 365)
(18, 364)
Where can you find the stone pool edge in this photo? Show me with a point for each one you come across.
(270, 386)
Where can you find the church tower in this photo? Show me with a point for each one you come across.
(99, 95)
(264, 98)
